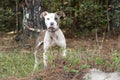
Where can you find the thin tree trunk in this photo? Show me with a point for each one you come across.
(17, 15)
(31, 20)
(33, 10)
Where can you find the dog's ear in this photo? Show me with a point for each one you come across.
(61, 14)
(43, 14)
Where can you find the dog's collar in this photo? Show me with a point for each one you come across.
(52, 30)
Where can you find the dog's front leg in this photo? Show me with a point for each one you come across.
(47, 44)
(62, 44)
(64, 52)
(60, 41)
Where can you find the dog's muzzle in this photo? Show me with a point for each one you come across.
(52, 29)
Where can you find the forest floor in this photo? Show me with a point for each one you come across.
(83, 53)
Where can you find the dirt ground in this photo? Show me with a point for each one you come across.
(104, 42)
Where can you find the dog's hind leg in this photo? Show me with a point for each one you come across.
(64, 52)
(35, 55)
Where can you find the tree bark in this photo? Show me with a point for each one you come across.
(31, 19)
(32, 12)
(114, 10)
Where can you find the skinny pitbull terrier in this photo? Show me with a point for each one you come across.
(53, 35)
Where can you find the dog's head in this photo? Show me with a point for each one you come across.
(52, 19)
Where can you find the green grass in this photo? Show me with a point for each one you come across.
(91, 59)
(14, 63)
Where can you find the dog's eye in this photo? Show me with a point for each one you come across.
(47, 18)
(56, 18)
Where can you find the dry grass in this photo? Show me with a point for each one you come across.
(82, 54)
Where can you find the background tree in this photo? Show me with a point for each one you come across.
(31, 19)
(83, 16)
(114, 13)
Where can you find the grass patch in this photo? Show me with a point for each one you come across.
(16, 64)
(86, 59)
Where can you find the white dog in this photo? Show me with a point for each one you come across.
(95, 74)
(53, 34)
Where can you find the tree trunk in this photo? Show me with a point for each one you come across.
(115, 12)
(17, 15)
(32, 12)
(31, 19)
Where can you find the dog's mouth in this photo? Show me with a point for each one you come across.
(52, 29)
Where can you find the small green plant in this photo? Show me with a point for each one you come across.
(15, 64)
(67, 69)
(74, 57)
(116, 58)
(99, 61)
(85, 66)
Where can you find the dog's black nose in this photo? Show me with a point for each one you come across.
(51, 23)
